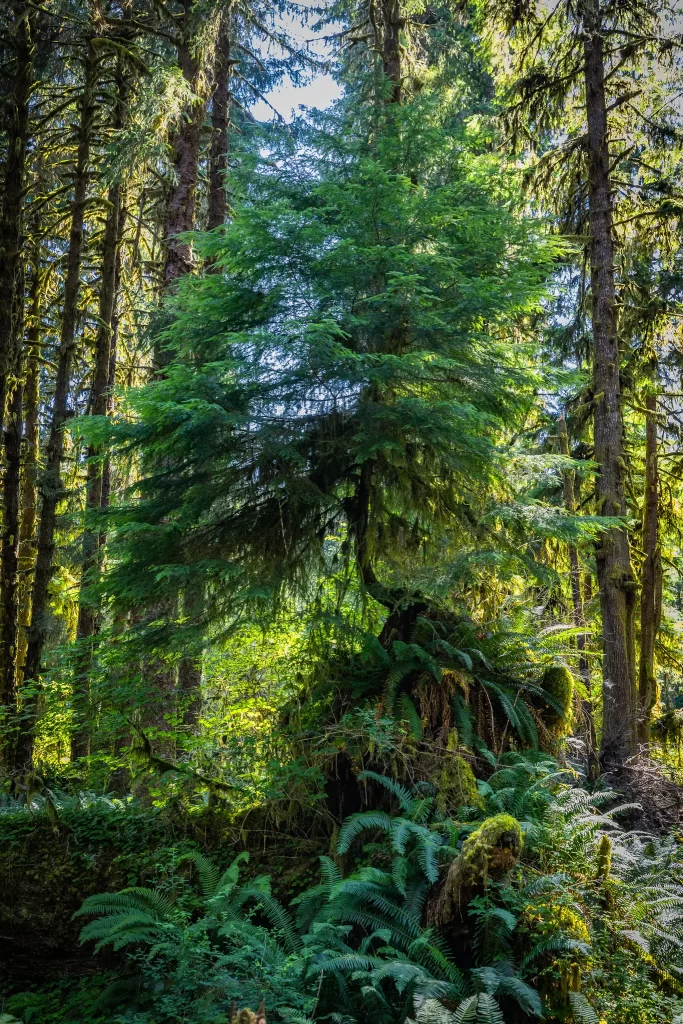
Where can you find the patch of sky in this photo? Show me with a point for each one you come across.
(302, 25)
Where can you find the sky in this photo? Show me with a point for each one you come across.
(287, 98)
(319, 91)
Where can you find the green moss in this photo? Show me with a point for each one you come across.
(456, 784)
(604, 858)
(47, 869)
(558, 682)
(493, 849)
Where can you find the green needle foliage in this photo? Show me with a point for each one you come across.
(346, 373)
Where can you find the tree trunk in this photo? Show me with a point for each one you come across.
(51, 484)
(9, 567)
(189, 691)
(111, 382)
(651, 593)
(29, 475)
(615, 576)
(12, 285)
(393, 22)
(11, 211)
(180, 205)
(88, 610)
(180, 209)
(577, 610)
(220, 117)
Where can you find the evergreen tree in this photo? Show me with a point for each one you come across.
(344, 377)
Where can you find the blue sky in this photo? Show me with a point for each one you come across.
(319, 92)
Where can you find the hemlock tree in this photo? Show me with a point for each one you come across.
(344, 376)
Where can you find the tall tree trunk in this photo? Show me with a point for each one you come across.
(651, 593)
(111, 381)
(9, 567)
(220, 117)
(88, 611)
(30, 460)
(12, 286)
(393, 21)
(51, 483)
(577, 610)
(615, 576)
(11, 210)
(180, 206)
(180, 210)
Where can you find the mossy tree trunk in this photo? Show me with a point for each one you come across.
(12, 286)
(51, 483)
(569, 483)
(615, 575)
(651, 592)
(88, 608)
(220, 119)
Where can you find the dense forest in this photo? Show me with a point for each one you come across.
(341, 515)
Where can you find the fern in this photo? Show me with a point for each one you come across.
(405, 798)
(359, 823)
(488, 1010)
(207, 871)
(582, 1010)
(409, 714)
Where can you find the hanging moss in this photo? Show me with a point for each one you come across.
(456, 784)
(558, 682)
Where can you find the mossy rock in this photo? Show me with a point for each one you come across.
(558, 682)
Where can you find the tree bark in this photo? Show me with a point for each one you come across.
(220, 117)
(651, 593)
(569, 485)
(9, 566)
(11, 210)
(88, 611)
(393, 22)
(180, 206)
(12, 286)
(51, 483)
(180, 211)
(30, 459)
(615, 576)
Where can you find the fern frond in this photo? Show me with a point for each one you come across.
(359, 823)
(582, 1010)
(207, 871)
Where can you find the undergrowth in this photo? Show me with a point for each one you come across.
(578, 920)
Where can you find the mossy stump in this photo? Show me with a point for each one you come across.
(558, 683)
(456, 785)
(489, 852)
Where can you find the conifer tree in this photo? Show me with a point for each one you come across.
(343, 375)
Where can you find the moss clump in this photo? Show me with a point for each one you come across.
(456, 784)
(493, 848)
(604, 864)
(546, 919)
(558, 682)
